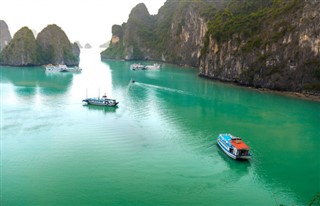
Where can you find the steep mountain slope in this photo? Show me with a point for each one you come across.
(52, 46)
(22, 49)
(55, 47)
(173, 35)
(274, 47)
(5, 36)
(262, 43)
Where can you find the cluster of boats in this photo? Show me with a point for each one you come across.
(231, 145)
(144, 67)
(61, 68)
(102, 101)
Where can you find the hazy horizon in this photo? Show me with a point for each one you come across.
(84, 21)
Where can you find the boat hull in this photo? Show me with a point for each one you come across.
(100, 104)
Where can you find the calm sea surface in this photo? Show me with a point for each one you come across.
(158, 147)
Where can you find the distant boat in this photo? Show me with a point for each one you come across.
(137, 67)
(144, 67)
(56, 68)
(153, 67)
(61, 68)
(234, 147)
(104, 101)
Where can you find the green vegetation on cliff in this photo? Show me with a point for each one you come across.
(52, 46)
(55, 47)
(22, 49)
(147, 36)
(138, 31)
(114, 51)
(116, 48)
(247, 17)
(272, 38)
(260, 43)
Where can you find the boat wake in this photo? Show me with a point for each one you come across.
(162, 88)
(171, 90)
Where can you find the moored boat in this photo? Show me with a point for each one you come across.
(61, 68)
(137, 67)
(234, 147)
(153, 67)
(104, 101)
(144, 67)
(56, 68)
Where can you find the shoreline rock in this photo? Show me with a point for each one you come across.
(315, 97)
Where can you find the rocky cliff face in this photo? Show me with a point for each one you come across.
(260, 43)
(52, 46)
(5, 36)
(281, 52)
(138, 26)
(131, 40)
(116, 47)
(55, 47)
(22, 49)
(173, 35)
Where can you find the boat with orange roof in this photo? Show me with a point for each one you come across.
(233, 146)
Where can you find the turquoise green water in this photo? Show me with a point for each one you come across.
(158, 147)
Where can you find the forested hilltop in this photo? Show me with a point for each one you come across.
(51, 46)
(272, 44)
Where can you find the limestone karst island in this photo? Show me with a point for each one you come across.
(263, 44)
(182, 102)
(51, 46)
(268, 44)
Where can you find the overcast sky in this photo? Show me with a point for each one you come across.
(88, 21)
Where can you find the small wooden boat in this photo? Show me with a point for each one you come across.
(104, 101)
(234, 147)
